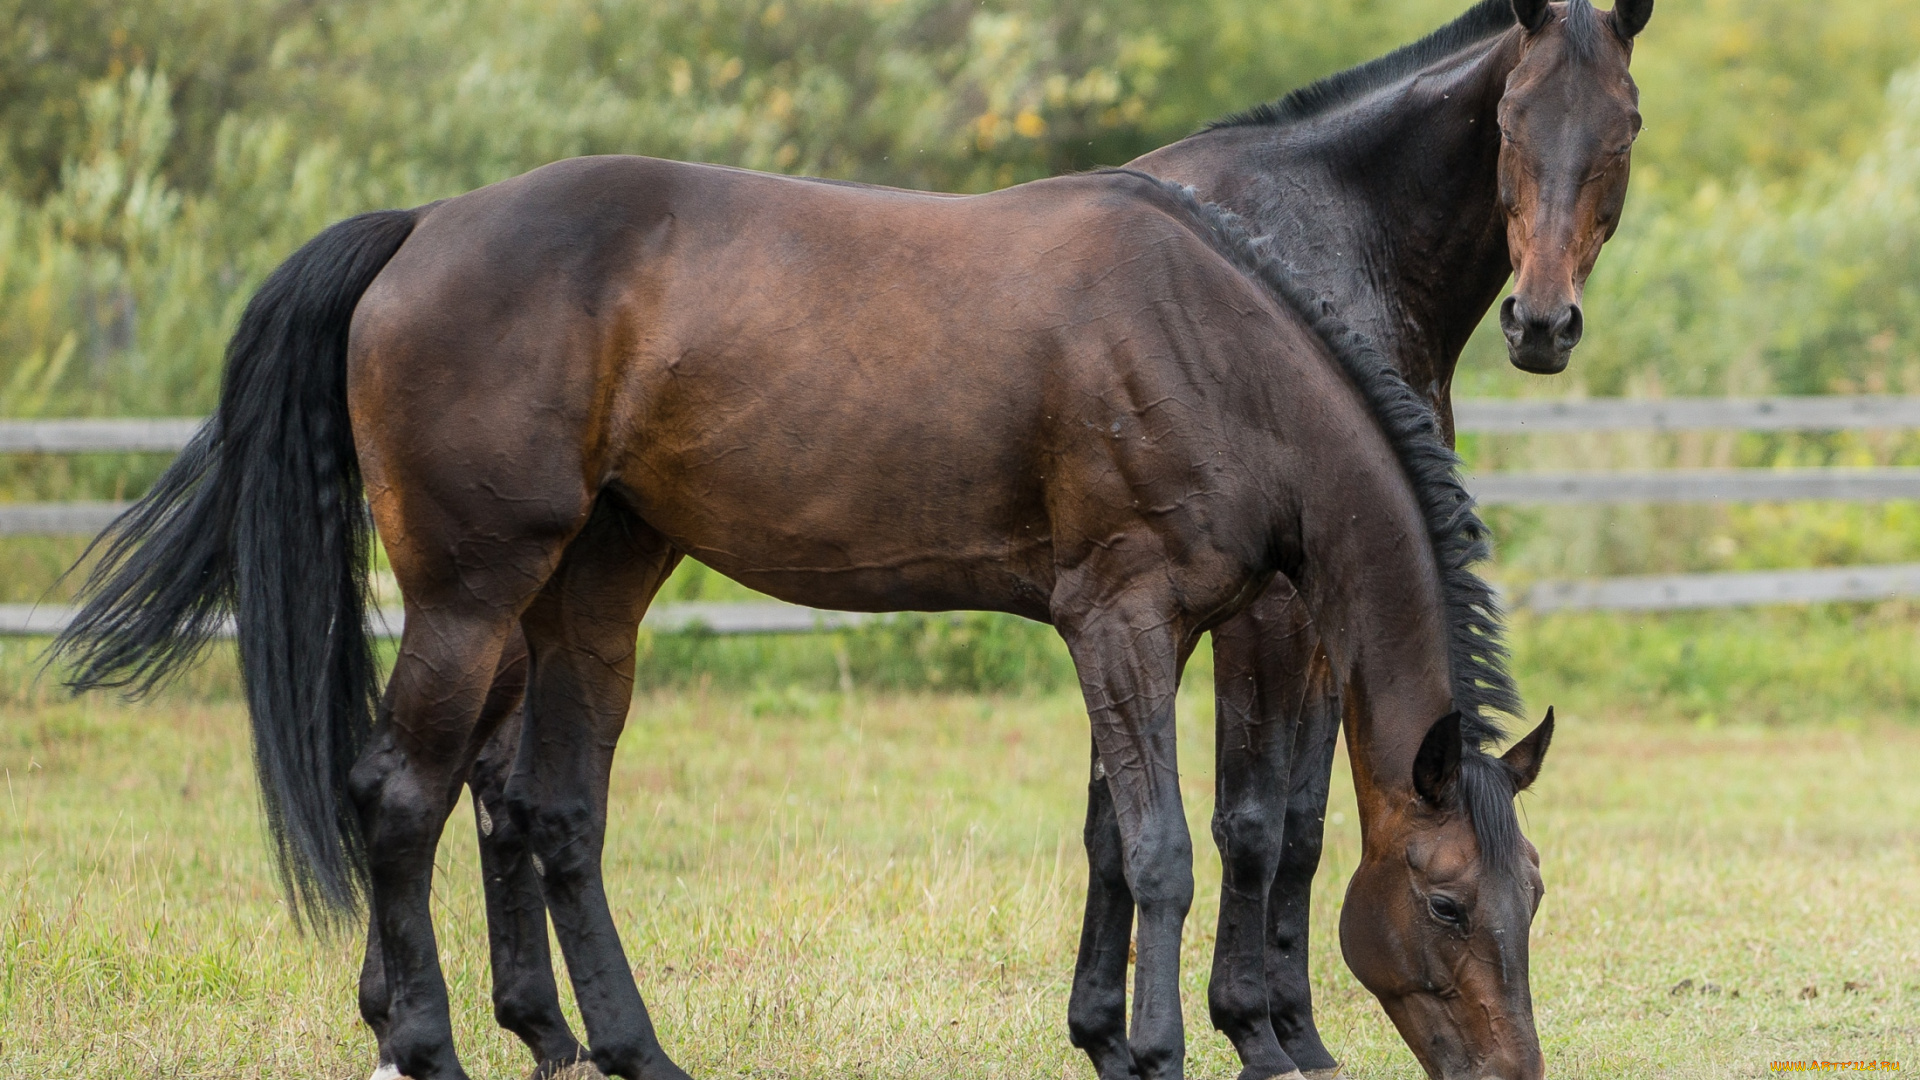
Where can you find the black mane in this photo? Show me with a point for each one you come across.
(1483, 688)
(1481, 22)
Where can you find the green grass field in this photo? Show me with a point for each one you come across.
(887, 883)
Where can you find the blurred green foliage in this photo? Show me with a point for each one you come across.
(157, 157)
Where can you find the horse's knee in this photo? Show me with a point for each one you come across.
(1249, 838)
(561, 831)
(1162, 872)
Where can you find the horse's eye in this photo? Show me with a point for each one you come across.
(1446, 910)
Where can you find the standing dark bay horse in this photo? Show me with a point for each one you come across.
(1085, 401)
(1402, 194)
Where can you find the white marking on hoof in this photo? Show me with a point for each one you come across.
(386, 1072)
(486, 819)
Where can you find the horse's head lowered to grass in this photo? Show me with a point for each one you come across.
(1568, 122)
(1437, 914)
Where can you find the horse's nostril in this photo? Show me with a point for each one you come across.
(1510, 323)
(1572, 327)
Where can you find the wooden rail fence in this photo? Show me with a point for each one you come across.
(169, 435)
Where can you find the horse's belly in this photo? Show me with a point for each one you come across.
(830, 519)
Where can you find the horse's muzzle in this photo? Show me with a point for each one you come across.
(1540, 342)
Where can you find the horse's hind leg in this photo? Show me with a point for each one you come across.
(525, 999)
(1262, 659)
(1127, 651)
(499, 726)
(376, 1000)
(1097, 1009)
(404, 785)
(582, 630)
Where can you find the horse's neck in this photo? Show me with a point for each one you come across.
(1393, 688)
(1374, 592)
(1388, 208)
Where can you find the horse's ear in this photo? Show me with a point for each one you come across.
(1436, 768)
(1630, 17)
(1526, 756)
(1533, 13)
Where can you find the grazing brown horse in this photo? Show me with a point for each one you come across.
(1402, 194)
(1085, 401)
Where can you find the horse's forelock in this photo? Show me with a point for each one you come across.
(1585, 28)
(1486, 793)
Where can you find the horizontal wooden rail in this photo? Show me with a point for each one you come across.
(1677, 592)
(1480, 415)
(96, 436)
(57, 519)
(1686, 414)
(1697, 486)
(758, 617)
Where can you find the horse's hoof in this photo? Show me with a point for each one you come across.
(386, 1072)
(1335, 1073)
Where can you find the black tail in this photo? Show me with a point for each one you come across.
(261, 518)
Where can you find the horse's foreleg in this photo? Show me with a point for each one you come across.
(1126, 650)
(581, 629)
(1261, 660)
(1289, 987)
